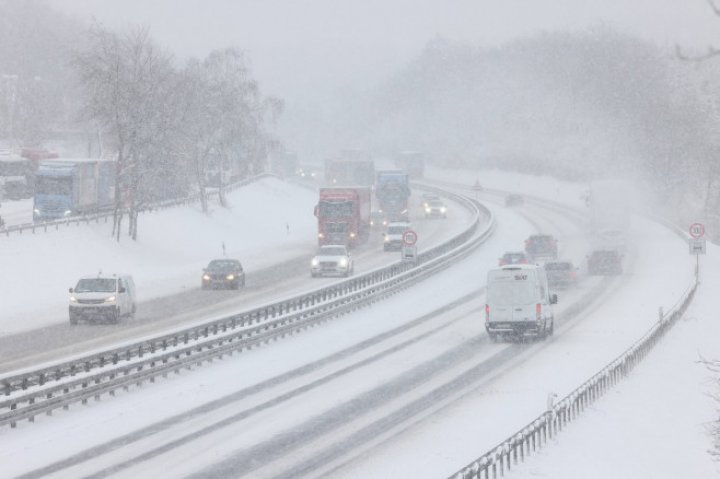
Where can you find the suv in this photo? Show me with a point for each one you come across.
(435, 209)
(605, 262)
(561, 273)
(513, 257)
(393, 236)
(332, 259)
(102, 297)
(223, 273)
(541, 246)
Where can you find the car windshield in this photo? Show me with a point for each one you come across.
(436, 203)
(511, 293)
(332, 251)
(395, 230)
(96, 285)
(223, 265)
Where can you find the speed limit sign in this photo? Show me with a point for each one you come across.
(409, 238)
(697, 230)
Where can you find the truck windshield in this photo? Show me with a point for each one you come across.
(336, 209)
(53, 185)
(332, 251)
(508, 293)
(96, 285)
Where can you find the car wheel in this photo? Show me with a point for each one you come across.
(493, 337)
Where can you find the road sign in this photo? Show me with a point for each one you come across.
(408, 254)
(697, 230)
(409, 238)
(697, 246)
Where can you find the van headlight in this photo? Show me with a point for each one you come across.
(387, 239)
(37, 211)
(343, 262)
(110, 299)
(443, 209)
(230, 277)
(73, 299)
(68, 212)
(315, 262)
(427, 210)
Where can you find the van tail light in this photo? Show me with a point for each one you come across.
(538, 311)
(487, 313)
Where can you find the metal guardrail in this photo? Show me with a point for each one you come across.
(104, 215)
(536, 434)
(61, 384)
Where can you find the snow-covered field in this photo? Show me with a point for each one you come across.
(654, 424)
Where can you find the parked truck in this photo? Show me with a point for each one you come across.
(343, 215)
(392, 189)
(350, 170)
(73, 187)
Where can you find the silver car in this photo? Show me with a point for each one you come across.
(332, 260)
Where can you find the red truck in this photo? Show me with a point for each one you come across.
(343, 215)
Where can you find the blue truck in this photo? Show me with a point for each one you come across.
(392, 189)
(70, 187)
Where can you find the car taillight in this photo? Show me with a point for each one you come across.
(538, 311)
(573, 274)
(487, 313)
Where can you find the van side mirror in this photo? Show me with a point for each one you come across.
(70, 290)
(553, 298)
(121, 289)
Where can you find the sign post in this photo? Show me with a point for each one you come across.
(409, 249)
(697, 244)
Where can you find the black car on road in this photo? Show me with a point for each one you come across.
(223, 273)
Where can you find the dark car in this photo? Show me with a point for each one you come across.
(605, 262)
(513, 257)
(514, 200)
(561, 274)
(541, 246)
(223, 273)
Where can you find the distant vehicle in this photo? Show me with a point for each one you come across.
(392, 189)
(102, 297)
(16, 177)
(514, 200)
(561, 274)
(435, 209)
(393, 236)
(427, 197)
(343, 215)
(332, 260)
(223, 273)
(541, 246)
(73, 187)
(605, 262)
(519, 302)
(513, 257)
(352, 168)
(285, 164)
(378, 219)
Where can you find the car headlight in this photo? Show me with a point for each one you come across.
(73, 299)
(427, 210)
(352, 235)
(443, 209)
(387, 239)
(110, 299)
(230, 277)
(320, 235)
(37, 211)
(315, 262)
(206, 277)
(68, 212)
(344, 262)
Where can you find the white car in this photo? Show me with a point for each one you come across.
(332, 260)
(393, 236)
(102, 297)
(435, 209)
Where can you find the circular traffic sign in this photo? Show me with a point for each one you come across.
(697, 230)
(409, 238)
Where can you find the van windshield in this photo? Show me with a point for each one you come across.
(96, 285)
(511, 293)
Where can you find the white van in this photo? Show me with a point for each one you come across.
(103, 297)
(519, 302)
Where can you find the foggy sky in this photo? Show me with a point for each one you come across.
(304, 49)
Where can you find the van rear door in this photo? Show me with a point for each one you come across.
(512, 295)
